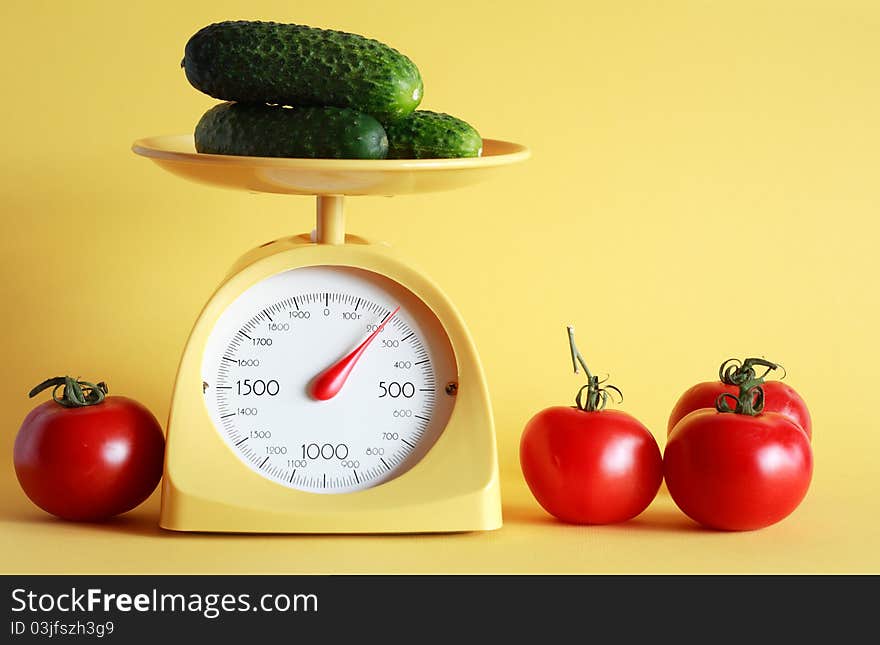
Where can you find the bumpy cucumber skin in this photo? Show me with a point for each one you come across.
(286, 64)
(255, 130)
(432, 135)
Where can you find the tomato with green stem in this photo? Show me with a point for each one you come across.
(586, 464)
(738, 468)
(85, 455)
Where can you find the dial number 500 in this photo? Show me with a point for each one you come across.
(395, 389)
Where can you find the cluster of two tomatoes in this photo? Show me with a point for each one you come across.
(738, 454)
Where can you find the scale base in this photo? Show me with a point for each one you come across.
(454, 488)
(479, 511)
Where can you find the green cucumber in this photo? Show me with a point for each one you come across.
(275, 131)
(432, 135)
(287, 64)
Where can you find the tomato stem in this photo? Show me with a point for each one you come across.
(749, 401)
(596, 396)
(742, 374)
(74, 393)
(736, 372)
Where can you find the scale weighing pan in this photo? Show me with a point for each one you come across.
(178, 155)
(329, 386)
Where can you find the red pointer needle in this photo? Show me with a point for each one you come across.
(328, 383)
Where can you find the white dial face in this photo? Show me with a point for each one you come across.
(329, 379)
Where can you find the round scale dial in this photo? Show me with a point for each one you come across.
(329, 379)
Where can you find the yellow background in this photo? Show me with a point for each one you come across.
(704, 184)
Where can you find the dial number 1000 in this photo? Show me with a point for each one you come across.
(325, 451)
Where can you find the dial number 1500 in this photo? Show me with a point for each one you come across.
(257, 387)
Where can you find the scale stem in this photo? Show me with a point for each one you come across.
(330, 227)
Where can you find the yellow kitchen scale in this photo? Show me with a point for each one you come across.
(328, 386)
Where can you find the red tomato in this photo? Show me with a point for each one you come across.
(92, 462)
(590, 467)
(737, 472)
